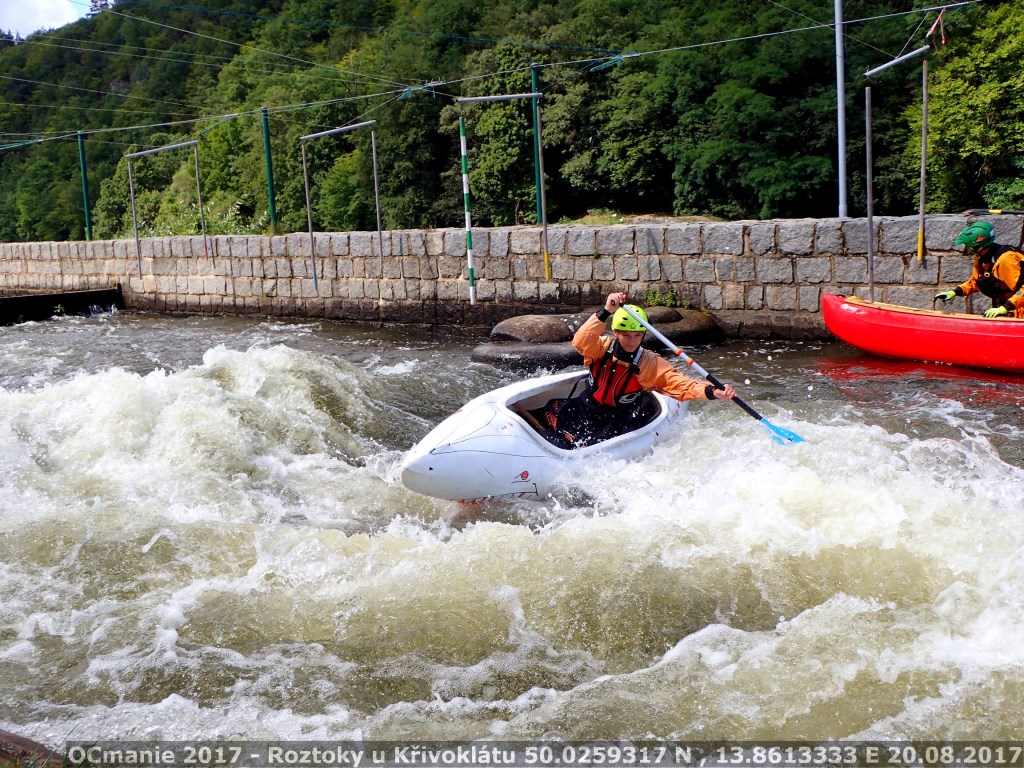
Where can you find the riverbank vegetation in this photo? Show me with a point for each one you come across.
(725, 110)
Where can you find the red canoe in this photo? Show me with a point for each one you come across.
(906, 333)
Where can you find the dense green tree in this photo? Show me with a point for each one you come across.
(725, 109)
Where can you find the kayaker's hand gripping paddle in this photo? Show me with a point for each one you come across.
(778, 434)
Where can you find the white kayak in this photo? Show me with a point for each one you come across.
(489, 450)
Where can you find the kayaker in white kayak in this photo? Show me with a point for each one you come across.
(621, 373)
(998, 271)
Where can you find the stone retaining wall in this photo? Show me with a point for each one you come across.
(758, 278)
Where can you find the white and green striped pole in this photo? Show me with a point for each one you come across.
(465, 200)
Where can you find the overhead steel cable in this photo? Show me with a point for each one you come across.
(244, 46)
(370, 28)
(248, 67)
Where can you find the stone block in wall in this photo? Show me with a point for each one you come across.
(796, 238)
(855, 235)
(556, 240)
(569, 293)
(775, 270)
(428, 269)
(908, 296)
(416, 242)
(723, 238)
(941, 231)
(615, 240)
(492, 268)
(449, 267)
(754, 297)
(526, 290)
(362, 244)
(604, 269)
(485, 291)
(298, 246)
(926, 271)
(713, 297)
(583, 269)
(392, 267)
(780, 298)
(954, 268)
(410, 267)
(808, 298)
(650, 240)
(814, 269)
(829, 236)
(581, 241)
(725, 268)
(732, 296)
(499, 243)
(672, 269)
(649, 268)
(434, 242)
(524, 241)
(562, 268)
(547, 292)
(888, 269)
(322, 246)
(503, 291)
(447, 290)
(683, 239)
(898, 234)
(699, 271)
(196, 286)
(761, 238)
(455, 243)
(850, 269)
(626, 268)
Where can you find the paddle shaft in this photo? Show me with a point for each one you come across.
(689, 361)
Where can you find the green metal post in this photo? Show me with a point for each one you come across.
(270, 170)
(85, 186)
(535, 87)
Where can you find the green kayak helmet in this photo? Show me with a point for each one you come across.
(622, 321)
(980, 234)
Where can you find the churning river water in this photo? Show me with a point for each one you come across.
(203, 535)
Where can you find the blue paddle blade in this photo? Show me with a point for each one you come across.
(779, 434)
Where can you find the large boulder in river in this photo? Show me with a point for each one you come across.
(531, 341)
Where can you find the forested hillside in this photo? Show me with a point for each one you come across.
(650, 106)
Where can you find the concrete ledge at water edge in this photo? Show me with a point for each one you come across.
(16, 751)
(532, 341)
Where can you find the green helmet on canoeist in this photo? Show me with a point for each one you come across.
(622, 321)
(980, 234)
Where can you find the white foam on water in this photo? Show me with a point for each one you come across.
(225, 551)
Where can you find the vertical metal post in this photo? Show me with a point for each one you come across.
(465, 202)
(199, 191)
(135, 216)
(85, 187)
(871, 193)
(841, 106)
(309, 215)
(543, 199)
(924, 157)
(270, 170)
(376, 197)
(535, 87)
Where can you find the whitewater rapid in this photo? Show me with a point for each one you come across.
(203, 535)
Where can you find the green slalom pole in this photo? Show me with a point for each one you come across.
(465, 200)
